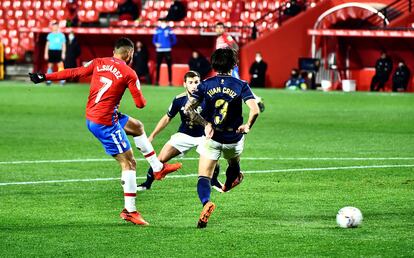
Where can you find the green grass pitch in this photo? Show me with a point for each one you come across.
(310, 154)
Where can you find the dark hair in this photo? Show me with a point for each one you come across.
(124, 42)
(191, 74)
(223, 60)
(220, 24)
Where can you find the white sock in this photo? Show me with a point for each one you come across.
(144, 145)
(129, 184)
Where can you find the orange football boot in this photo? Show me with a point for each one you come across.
(166, 169)
(134, 217)
(235, 183)
(205, 214)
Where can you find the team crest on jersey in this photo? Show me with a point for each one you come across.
(222, 81)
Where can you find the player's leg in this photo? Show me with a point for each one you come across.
(129, 184)
(168, 60)
(232, 152)
(116, 144)
(159, 58)
(205, 172)
(61, 67)
(215, 183)
(135, 128)
(49, 70)
(167, 153)
(233, 174)
(210, 152)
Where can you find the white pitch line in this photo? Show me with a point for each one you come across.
(194, 175)
(195, 158)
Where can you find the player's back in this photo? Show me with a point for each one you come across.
(223, 96)
(110, 78)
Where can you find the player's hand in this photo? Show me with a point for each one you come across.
(37, 77)
(209, 131)
(244, 129)
(157, 45)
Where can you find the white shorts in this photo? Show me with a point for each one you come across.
(212, 149)
(183, 142)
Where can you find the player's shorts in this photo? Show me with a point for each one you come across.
(113, 138)
(122, 119)
(212, 149)
(184, 142)
(55, 56)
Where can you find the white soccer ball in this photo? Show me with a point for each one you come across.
(349, 217)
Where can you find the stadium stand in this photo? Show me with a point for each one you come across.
(201, 15)
(24, 23)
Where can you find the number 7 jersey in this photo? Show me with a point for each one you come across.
(110, 78)
(222, 96)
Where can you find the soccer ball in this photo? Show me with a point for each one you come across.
(349, 217)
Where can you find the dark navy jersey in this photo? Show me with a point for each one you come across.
(187, 127)
(222, 96)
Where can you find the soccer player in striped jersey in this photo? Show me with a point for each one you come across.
(189, 135)
(111, 76)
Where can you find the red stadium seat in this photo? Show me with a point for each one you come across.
(18, 14)
(61, 15)
(2, 25)
(31, 23)
(47, 4)
(59, 5)
(17, 5)
(88, 5)
(37, 5)
(110, 5)
(99, 6)
(6, 5)
(27, 4)
(30, 14)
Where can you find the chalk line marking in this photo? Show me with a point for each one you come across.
(194, 175)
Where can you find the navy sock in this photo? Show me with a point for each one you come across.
(150, 178)
(232, 173)
(203, 189)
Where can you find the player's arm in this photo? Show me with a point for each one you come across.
(63, 50)
(164, 121)
(135, 88)
(190, 111)
(67, 74)
(253, 114)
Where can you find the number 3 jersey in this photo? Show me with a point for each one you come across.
(222, 96)
(110, 78)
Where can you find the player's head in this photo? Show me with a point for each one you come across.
(195, 54)
(162, 22)
(191, 81)
(220, 28)
(55, 26)
(223, 60)
(124, 49)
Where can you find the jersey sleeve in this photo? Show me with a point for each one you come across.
(173, 109)
(74, 73)
(246, 92)
(134, 87)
